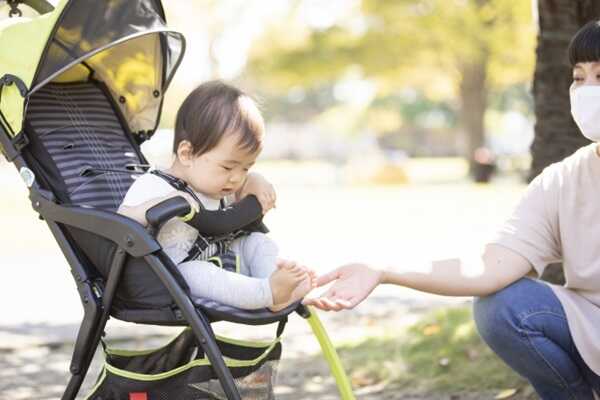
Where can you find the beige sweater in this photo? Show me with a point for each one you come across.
(558, 219)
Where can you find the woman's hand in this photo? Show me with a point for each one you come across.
(258, 186)
(353, 283)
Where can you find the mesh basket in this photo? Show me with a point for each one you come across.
(181, 371)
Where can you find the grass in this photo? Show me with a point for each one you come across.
(441, 353)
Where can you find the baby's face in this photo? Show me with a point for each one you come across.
(221, 171)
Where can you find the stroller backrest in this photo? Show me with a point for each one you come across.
(80, 150)
(81, 144)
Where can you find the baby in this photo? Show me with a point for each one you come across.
(218, 136)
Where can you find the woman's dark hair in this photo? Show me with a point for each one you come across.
(585, 45)
(213, 110)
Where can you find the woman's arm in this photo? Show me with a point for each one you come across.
(497, 268)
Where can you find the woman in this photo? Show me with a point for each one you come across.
(547, 333)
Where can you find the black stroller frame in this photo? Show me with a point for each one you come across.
(97, 304)
(103, 248)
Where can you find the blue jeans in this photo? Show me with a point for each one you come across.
(526, 326)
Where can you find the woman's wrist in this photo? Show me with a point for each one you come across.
(383, 276)
(388, 277)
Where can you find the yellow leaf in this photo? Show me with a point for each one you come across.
(506, 394)
(430, 330)
(360, 379)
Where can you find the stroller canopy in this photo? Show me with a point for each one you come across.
(123, 43)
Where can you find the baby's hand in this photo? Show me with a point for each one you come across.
(257, 185)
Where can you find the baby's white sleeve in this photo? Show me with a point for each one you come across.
(144, 188)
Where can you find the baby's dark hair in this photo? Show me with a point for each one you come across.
(585, 45)
(213, 110)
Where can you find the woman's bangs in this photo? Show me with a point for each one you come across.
(585, 45)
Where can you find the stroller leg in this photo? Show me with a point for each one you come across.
(200, 326)
(92, 326)
(85, 347)
(87, 341)
(74, 385)
(204, 333)
(330, 355)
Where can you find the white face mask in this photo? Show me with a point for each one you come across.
(585, 108)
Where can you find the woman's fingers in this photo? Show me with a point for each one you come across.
(331, 300)
(328, 304)
(351, 302)
(327, 278)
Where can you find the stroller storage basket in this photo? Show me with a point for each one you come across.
(181, 371)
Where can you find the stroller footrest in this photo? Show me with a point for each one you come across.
(221, 312)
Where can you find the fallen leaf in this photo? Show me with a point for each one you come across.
(506, 394)
(431, 329)
(360, 379)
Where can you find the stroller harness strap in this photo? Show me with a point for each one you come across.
(215, 249)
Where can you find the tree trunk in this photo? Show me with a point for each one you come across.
(473, 97)
(556, 135)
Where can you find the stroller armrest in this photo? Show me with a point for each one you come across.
(123, 231)
(165, 210)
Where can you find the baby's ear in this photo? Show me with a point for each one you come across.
(185, 152)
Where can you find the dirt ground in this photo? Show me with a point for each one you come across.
(38, 371)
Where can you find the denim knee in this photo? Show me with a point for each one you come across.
(525, 325)
(497, 315)
(494, 319)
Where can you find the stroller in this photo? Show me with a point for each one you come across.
(81, 88)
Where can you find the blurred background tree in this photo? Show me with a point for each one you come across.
(402, 64)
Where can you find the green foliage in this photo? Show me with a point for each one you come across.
(442, 352)
(424, 43)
